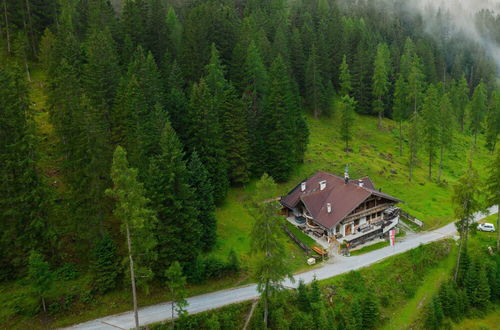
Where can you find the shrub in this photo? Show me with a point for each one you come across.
(67, 272)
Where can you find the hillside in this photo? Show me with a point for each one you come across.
(375, 154)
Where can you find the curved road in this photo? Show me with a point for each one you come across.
(161, 312)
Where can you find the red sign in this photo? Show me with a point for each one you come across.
(392, 236)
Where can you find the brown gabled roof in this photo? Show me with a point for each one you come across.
(344, 198)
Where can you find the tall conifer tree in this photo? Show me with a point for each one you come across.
(178, 230)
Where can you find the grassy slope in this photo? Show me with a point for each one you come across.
(426, 200)
(404, 316)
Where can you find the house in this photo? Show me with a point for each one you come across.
(340, 209)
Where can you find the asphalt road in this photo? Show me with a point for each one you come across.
(160, 312)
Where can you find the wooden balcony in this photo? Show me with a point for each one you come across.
(366, 212)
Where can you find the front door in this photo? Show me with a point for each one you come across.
(348, 229)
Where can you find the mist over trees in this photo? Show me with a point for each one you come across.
(194, 97)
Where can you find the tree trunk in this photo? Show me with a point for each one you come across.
(400, 138)
(132, 278)
(6, 25)
(440, 164)
(173, 320)
(498, 229)
(410, 163)
(43, 305)
(266, 307)
(430, 166)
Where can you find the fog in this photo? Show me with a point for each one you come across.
(461, 15)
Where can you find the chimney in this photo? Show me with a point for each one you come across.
(361, 183)
(303, 186)
(329, 207)
(346, 174)
(322, 185)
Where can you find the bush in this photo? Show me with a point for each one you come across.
(203, 269)
(67, 272)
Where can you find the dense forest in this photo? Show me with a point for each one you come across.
(160, 106)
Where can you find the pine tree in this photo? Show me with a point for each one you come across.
(39, 275)
(105, 267)
(345, 78)
(446, 127)
(477, 109)
(199, 180)
(346, 111)
(178, 230)
(493, 187)
(380, 84)
(24, 203)
(132, 212)
(176, 284)
(271, 267)
(430, 128)
(206, 136)
(314, 84)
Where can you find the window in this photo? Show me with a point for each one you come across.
(356, 222)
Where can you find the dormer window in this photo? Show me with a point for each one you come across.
(322, 185)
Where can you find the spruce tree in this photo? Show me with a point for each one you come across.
(400, 109)
(266, 242)
(105, 266)
(370, 311)
(206, 136)
(482, 291)
(477, 109)
(235, 135)
(199, 180)
(254, 91)
(430, 128)
(466, 201)
(415, 84)
(460, 99)
(346, 112)
(176, 284)
(414, 140)
(178, 230)
(24, 204)
(493, 187)
(493, 121)
(176, 102)
(40, 277)
(101, 72)
(278, 124)
(345, 78)
(303, 299)
(445, 127)
(380, 81)
(314, 84)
